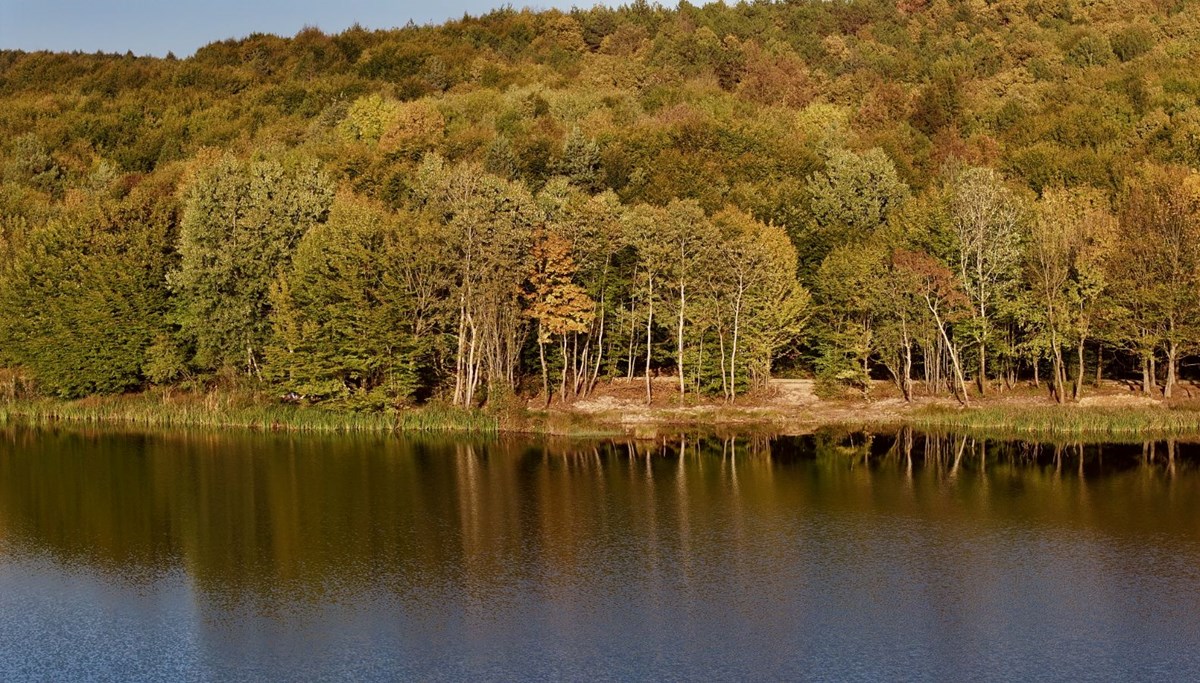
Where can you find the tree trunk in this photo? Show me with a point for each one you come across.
(1056, 387)
(629, 365)
(1147, 374)
(649, 323)
(1172, 364)
(1079, 375)
(472, 366)
(591, 384)
(576, 362)
(958, 373)
(926, 373)
(724, 377)
(907, 382)
(458, 360)
(1062, 383)
(679, 349)
(737, 313)
(566, 363)
(545, 370)
(982, 380)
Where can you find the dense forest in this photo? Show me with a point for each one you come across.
(956, 195)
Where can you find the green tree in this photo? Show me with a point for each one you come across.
(489, 233)
(84, 296)
(766, 307)
(241, 222)
(1156, 268)
(847, 292)
(344, 321)
(851, 199)
(1068, 241)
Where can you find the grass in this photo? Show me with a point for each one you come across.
(1060, 421)
(235, 411)
(257, 411)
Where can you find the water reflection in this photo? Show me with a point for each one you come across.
(854, 556)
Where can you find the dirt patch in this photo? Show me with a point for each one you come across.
(1118, 401)
(793, 392)
(791, 406)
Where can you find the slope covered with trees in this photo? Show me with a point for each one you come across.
(953, 194)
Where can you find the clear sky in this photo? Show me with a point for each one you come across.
(180, 26)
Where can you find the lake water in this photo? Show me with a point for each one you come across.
(205, 556)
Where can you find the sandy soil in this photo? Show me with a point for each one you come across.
(793, 406)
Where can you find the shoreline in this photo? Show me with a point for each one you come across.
(1017, 415)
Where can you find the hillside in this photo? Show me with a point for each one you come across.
(963, 191)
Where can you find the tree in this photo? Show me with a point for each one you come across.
(756, 288)
(654, 259)
(1156, 268)
(935, 284)
(850, 200)
(847, 292)
(241, 221)
(591, 227)
(1069, 238)
(689, 235)
(83, 296)
(581, 161)
(987, 223)
(775, 306)
(558, 305)
(490, 224)
(345, 325)
(901, 316)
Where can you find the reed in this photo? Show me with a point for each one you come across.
(234, 411)
(442, 418)
(1026, 421)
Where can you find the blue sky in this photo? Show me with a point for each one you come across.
(158, 26)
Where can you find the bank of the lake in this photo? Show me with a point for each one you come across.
(1109, 414)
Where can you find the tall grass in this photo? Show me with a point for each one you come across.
(1061, 421)
(234, 412)
(440, 418)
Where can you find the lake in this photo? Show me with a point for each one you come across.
(242, 556)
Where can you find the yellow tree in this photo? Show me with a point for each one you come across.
(759, 301)
(554, 301)
(1068, 240)
(1157, 273)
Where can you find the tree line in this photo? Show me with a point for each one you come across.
(265, 270)
(951, 195)
(977, 281)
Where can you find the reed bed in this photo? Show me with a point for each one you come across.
(240, 413)
(1059, 421)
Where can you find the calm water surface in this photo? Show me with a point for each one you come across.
(253, 557)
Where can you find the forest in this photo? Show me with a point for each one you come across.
(956, 196)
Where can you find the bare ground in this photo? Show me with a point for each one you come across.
(793, 406)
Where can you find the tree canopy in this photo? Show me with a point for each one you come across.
(933, 191)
